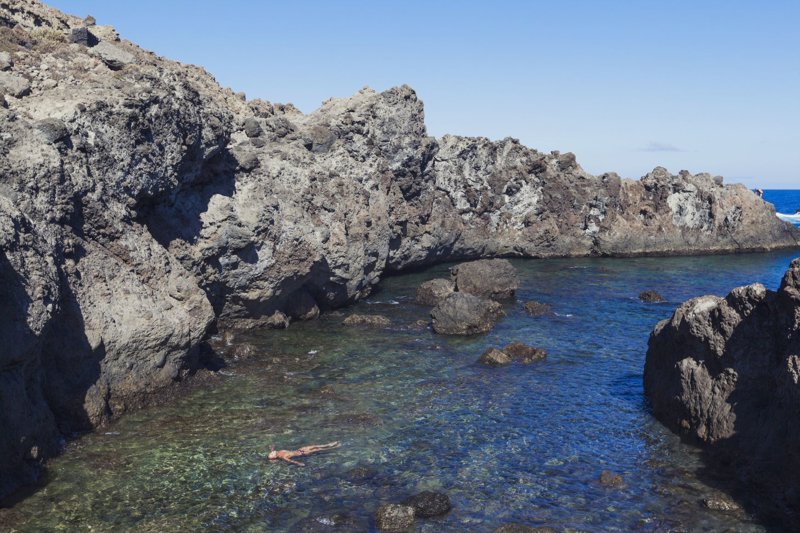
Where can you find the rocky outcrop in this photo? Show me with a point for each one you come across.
(143, 204)
(725, 373)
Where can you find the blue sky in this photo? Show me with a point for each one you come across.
(704, 86)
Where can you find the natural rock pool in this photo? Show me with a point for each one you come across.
(523, 443)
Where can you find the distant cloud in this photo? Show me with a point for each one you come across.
(655, 146)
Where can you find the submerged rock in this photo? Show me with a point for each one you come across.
(610, 479)
(488, 278)
(465, 314)
(428, 504)
(434, 291)
(522, 353)
(394, 518)
(537, 309)
(494, 357)
(724, 373)
(723, 504)
(519, 528)
(651, 297)
(329, 523)
(373, 321)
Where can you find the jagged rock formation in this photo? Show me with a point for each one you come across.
(141, 203)
(725, 373)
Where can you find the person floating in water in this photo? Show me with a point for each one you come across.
(288, 455)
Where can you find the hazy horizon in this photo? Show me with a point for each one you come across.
(707, 88)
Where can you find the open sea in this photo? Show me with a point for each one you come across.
(413, 410)
(786, 202)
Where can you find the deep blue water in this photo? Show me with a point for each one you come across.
(414, 411)
(786, 203)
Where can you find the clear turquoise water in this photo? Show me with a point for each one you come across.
(413, 411)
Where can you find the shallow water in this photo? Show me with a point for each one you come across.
(413, 411)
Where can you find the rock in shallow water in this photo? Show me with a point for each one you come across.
(723, 504)
(394, 518)
(428, 504)
(537, 309)
(651, 297)
(465, 314)
(494, 357)
(373, 321)
(519, 528)
(488, 278)
(522, 353)
(610, 479)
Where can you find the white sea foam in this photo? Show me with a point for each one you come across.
(794, 219)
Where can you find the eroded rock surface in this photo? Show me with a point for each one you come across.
(143, 203)
(725, 373)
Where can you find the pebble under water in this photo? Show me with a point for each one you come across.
(522, 444)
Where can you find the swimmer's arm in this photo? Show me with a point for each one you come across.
(292, 461)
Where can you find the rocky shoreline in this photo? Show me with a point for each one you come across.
(142, 206)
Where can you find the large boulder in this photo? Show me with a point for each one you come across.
(487, 278)
(465, 314)
(724, 373)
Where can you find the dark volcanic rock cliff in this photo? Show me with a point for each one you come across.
(140, 202)
(725, 373)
